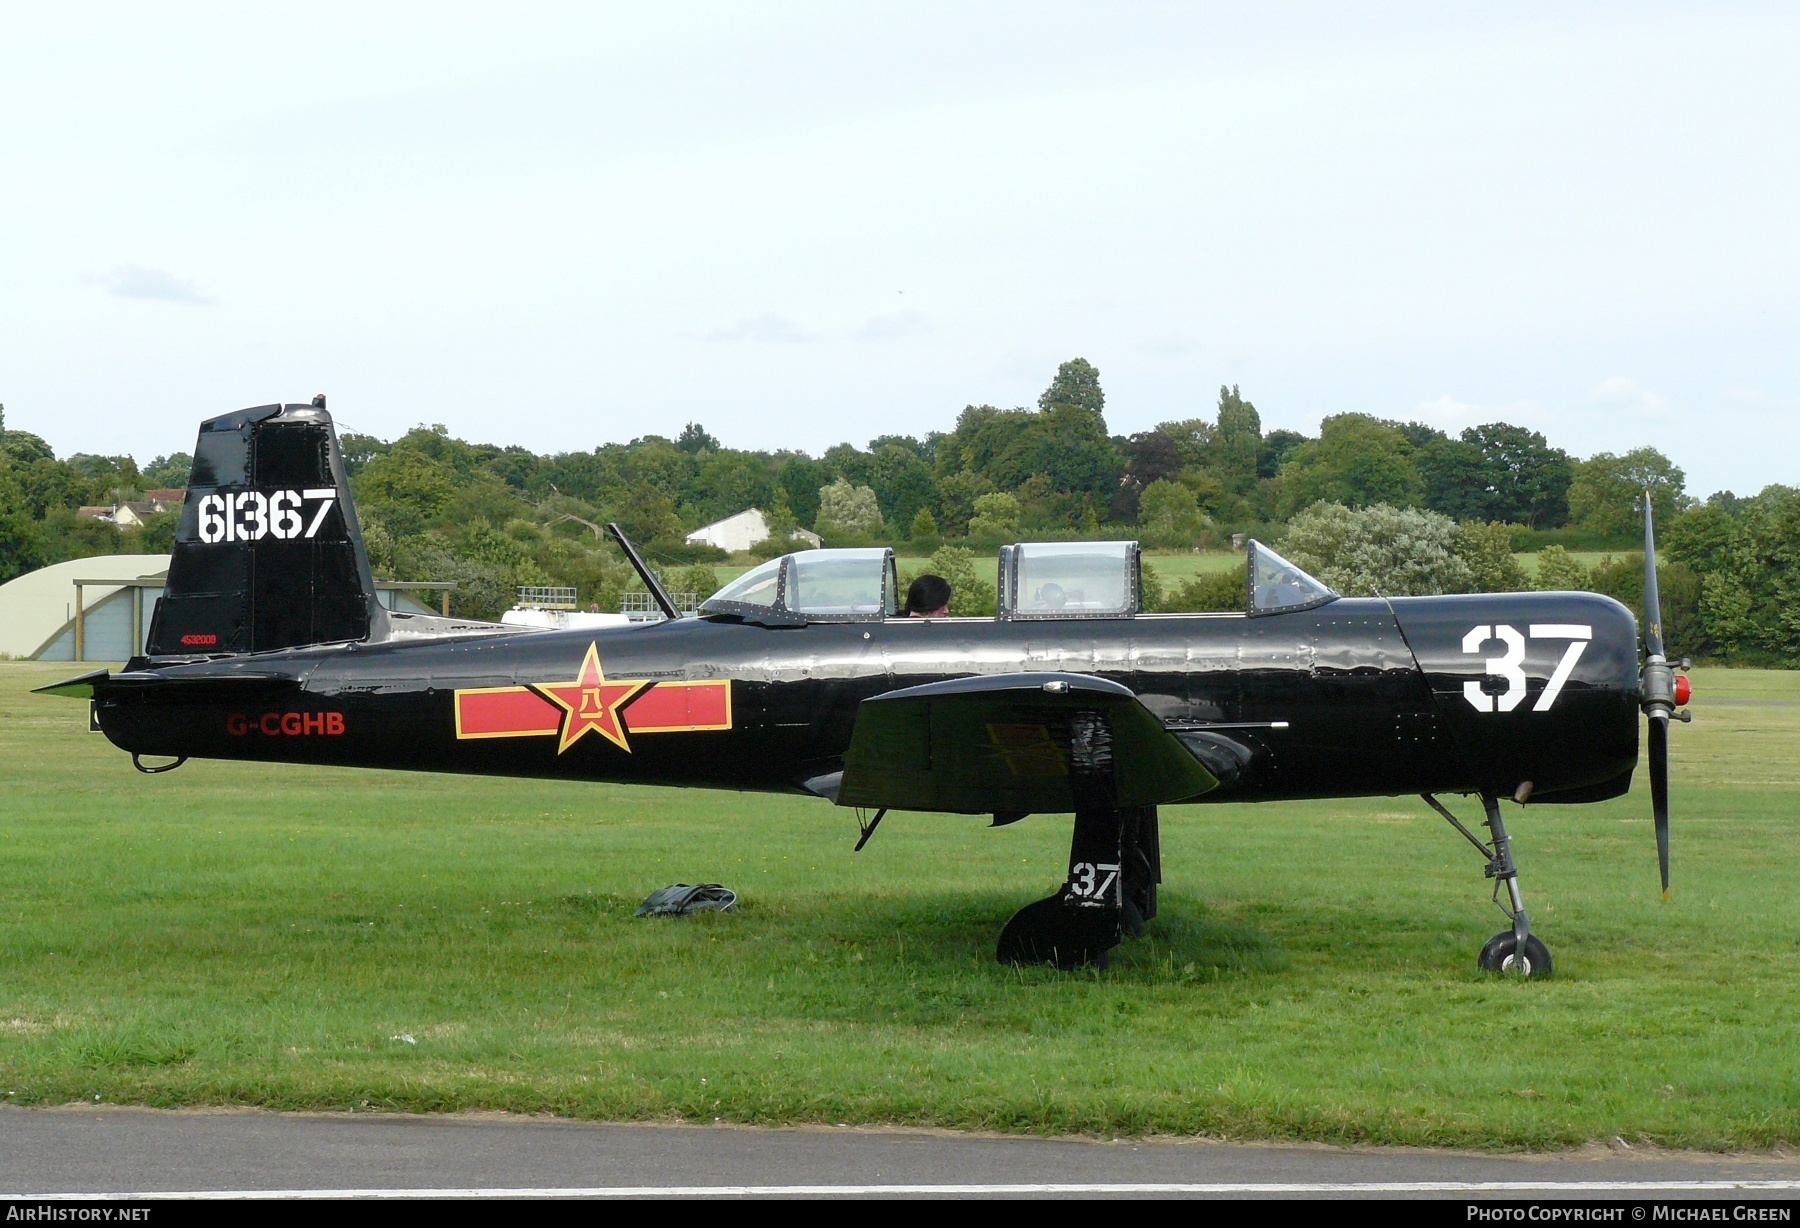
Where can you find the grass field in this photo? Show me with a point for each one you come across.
(311, 938)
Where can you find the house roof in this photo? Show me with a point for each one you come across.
(35, 607)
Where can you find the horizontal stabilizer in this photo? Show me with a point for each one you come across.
(79, 687)
(1032, 742)
(102, 684)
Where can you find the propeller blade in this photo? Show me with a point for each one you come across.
(1659, 691)
(1659, 793)
(1653, 628)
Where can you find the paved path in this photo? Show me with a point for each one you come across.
(116, 1151)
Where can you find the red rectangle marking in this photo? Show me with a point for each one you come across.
(505, 712)
(680, 707)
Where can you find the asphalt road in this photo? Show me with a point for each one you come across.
(89, 1151)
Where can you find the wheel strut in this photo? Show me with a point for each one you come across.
(1503, 870)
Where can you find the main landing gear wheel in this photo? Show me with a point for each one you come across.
(1501, 954)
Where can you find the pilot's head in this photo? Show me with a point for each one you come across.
(929, 597)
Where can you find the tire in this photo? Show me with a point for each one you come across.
(1499, 956)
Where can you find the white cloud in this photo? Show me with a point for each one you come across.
(131, 281)
(1447, 413)
(1622, 393)
(765, 327)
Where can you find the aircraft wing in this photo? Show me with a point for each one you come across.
(1019, 743)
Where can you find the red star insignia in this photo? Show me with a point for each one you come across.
(590, 702)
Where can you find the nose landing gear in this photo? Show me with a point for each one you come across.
(1515, 950)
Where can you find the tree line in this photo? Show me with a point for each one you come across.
(492, 517)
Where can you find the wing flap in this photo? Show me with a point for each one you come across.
(1015, 742)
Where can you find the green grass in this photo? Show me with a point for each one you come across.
(245, 934)
(1587, 558)
(1175, 566)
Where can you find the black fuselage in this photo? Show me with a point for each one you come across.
(1357, 697)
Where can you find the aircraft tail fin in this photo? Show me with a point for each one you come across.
(268, 553)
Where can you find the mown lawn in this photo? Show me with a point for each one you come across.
(237, 934)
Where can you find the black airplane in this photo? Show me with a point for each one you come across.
(798, 677)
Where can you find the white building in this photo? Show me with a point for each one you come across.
(109, 598)
(734, 533)
(742, 531)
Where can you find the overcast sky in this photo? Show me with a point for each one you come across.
(800, 224)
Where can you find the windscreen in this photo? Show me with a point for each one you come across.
(1073, 578)
(758, 586)
(838, 582)
(1277, 585)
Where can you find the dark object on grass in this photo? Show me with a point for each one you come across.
(684, 898)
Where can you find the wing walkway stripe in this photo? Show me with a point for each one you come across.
(1085, 1187)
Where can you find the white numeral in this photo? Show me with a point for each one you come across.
(284, 514)
(257, 526)
(1508, 665)
(1578, 636)
(212, 519)
(329, 496)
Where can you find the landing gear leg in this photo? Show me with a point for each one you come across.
(1085, 919)
(1140, 856)
(1516, 949)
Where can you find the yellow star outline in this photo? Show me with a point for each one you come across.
(590, 702)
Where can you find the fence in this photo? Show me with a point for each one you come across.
(642, 607)
(546, 597)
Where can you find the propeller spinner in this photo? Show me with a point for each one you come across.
(1663, 692)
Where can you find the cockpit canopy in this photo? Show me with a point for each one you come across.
(813, 586)
(1277, 586)
(1040, 580)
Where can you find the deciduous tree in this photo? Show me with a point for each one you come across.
(1356, 461)
(848, 510)
(1607, 492)
(1487, 549)
(1169, 515)
(1380, 549)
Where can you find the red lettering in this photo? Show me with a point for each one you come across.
(271, 723)
(199, 640)
(237, 724)
(334, 723)
(315, 722)
(290, 724)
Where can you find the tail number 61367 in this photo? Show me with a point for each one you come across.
(1507, 665)
(251, 515)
